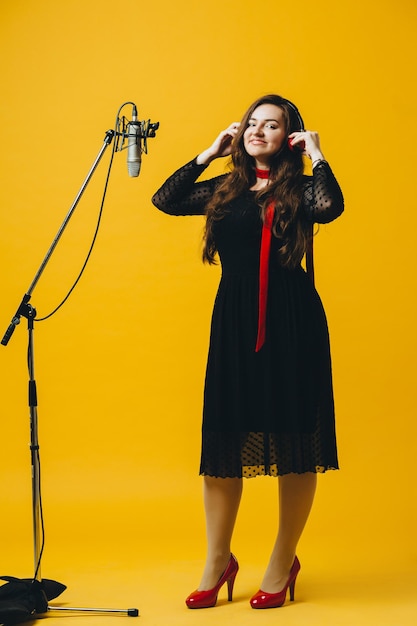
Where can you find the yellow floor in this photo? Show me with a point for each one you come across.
(137, 558)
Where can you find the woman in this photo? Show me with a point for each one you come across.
(268, 400)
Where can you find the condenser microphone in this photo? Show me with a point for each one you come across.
(134, 147)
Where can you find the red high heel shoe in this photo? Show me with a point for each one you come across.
(206, 599)
(264, 600)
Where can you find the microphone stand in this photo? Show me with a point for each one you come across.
(29, 312)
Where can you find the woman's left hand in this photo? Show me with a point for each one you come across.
(309, 142)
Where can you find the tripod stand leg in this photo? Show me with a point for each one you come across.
(126, 612)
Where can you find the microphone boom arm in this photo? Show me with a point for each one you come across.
(22, 307)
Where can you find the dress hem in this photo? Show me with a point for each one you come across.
(256, 471)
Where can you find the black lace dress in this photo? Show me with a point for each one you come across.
(271, 411)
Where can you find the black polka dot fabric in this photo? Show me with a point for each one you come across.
(269, 412)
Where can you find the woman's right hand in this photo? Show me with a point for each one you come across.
(221, 147)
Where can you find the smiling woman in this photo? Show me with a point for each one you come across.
(268, 402)
(265, 134)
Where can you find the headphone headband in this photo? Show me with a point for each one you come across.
(297, 113)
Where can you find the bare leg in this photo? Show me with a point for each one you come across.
(296, 495)
(221, 503)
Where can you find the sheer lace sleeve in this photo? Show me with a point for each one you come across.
(182, 195)
(323, 198)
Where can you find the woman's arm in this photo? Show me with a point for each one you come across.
(182, 195)
(323, 198)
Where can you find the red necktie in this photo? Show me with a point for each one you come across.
(264, 274)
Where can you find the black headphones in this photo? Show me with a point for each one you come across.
(300, 123)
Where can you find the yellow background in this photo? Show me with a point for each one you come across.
(120, 367)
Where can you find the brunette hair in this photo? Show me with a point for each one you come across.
(285, 188)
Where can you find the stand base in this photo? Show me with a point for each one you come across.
(23, 599)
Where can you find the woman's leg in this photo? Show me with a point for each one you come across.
(296, 495)
(221, 503)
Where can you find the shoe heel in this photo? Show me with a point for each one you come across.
(292, 590)
(230, 585)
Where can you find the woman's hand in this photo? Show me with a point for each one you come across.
(221, 147)
(309, 142)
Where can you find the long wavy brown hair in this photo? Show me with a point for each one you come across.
(285, 188)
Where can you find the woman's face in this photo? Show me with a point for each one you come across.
(265, 134)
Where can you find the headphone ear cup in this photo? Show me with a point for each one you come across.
(298, 146)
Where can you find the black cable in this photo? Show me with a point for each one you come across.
(115, 149)
(33, 402)
(40, 517)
